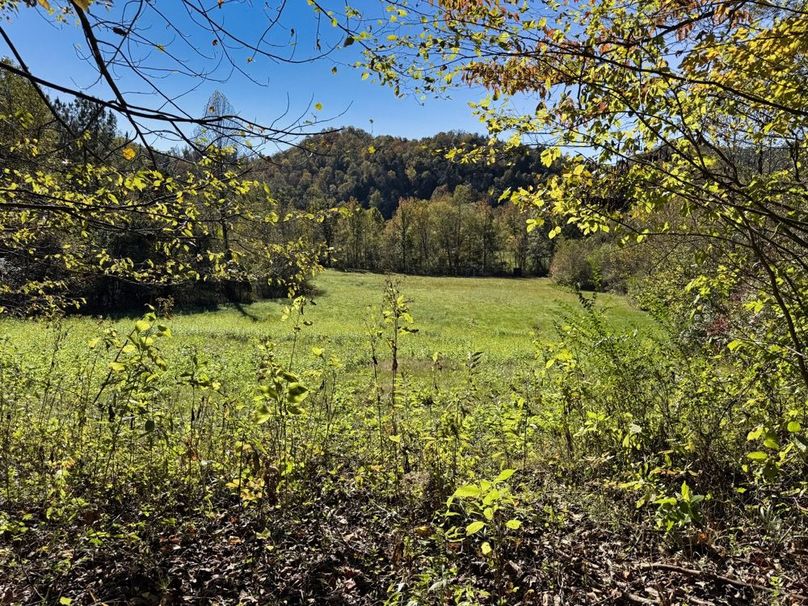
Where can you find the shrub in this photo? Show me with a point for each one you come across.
(572, 266)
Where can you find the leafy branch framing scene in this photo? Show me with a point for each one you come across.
(410, 302)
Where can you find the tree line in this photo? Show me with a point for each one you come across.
(456, 234)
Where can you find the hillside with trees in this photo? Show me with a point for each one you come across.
(407, 206)
(378, 172)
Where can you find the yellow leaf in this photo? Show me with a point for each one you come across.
(83, 4)
(534, 223)
(129, 152)
(45, 4)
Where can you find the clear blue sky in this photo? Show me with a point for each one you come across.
(58, 53)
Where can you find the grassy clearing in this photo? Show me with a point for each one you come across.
(503, 318)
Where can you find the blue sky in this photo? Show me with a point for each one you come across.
(58, 53)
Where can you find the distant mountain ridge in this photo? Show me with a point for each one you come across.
(378, 171)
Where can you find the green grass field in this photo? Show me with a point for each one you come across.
(501, 317)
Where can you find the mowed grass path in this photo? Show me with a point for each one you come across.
(501, 317)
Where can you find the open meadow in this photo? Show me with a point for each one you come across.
(505, 319)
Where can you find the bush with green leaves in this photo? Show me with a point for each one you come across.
(572, 264)
(483, 510)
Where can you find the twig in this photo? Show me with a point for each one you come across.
(718, 577)
(636, 599)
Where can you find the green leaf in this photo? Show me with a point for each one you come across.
(467, 491)
(794, 426)
(485, 548)
(549, 155)
(733, 345)
(513, 524)
(116, 366)
(757, 456)
(262, 415)
(771, 443)
(474, 527)
(492, 496)
(296, 393)
(65, 601)
(142, 326)
(755, 434)
(505, 474)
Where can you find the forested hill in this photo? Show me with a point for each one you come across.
(379, 171)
